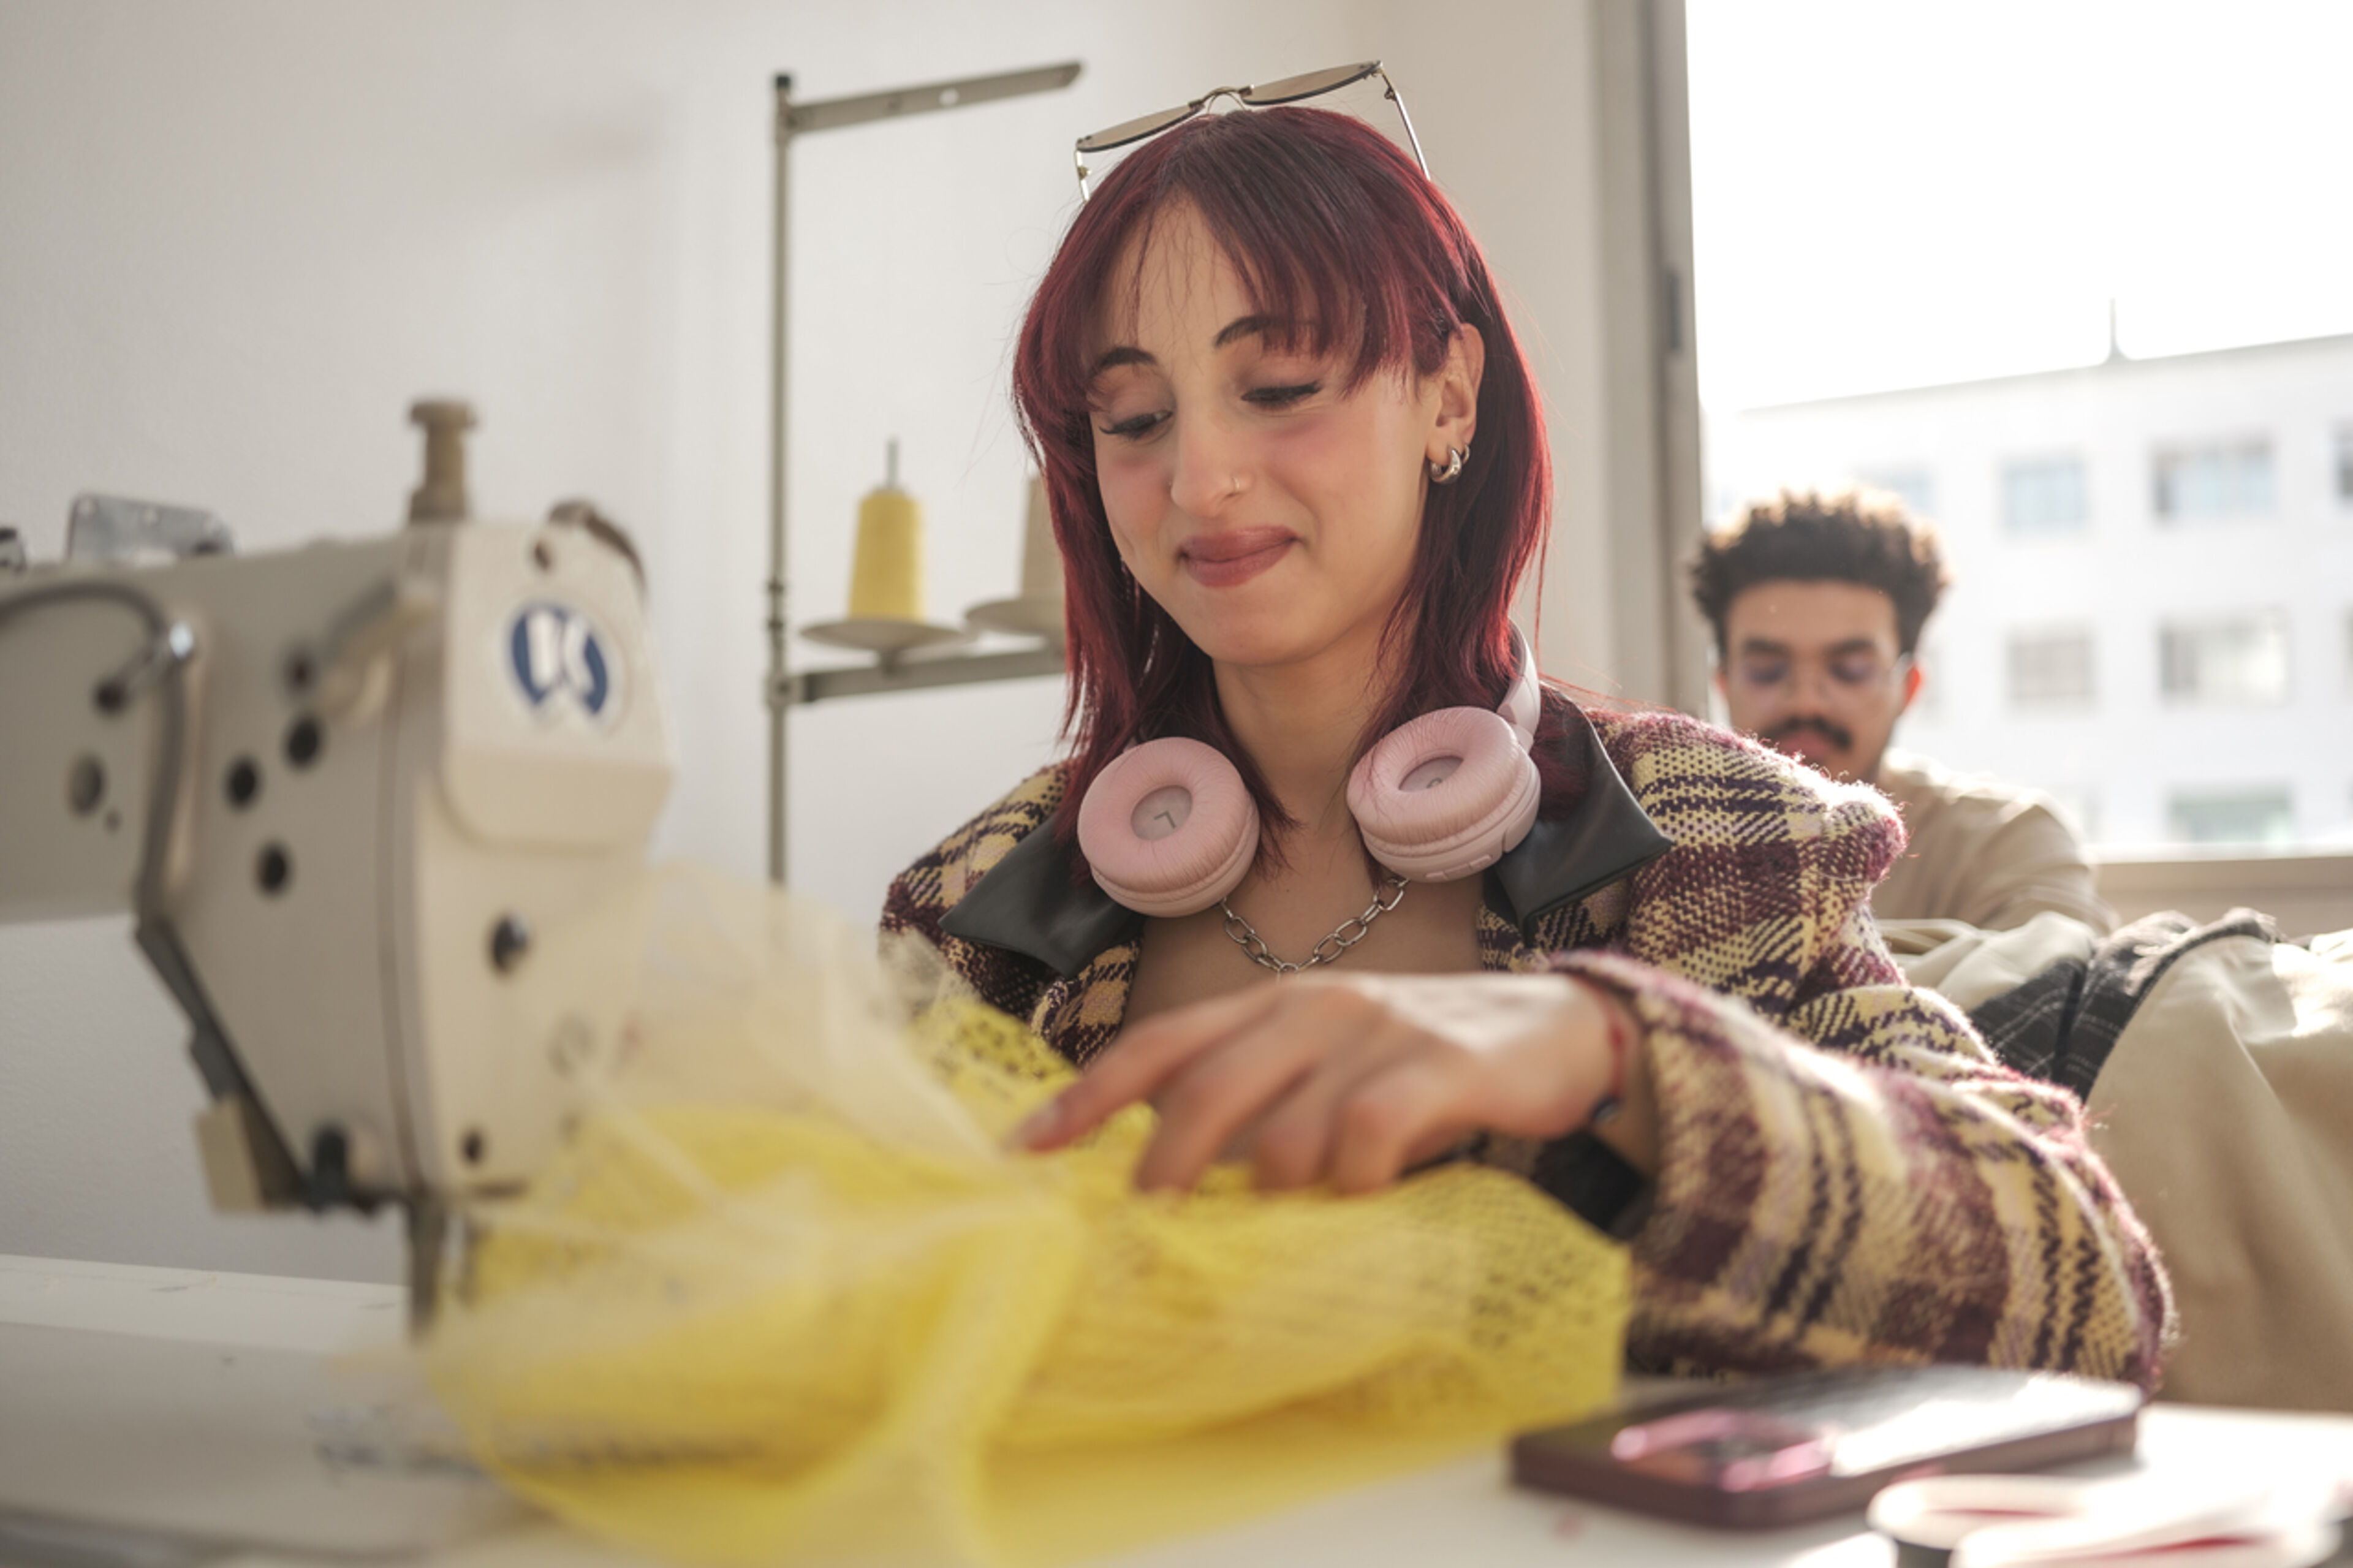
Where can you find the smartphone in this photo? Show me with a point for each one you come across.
(1792, 1447)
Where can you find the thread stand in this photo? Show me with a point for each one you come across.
(892, 672)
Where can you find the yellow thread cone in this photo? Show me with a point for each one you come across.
(886, 576)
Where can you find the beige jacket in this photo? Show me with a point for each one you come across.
(2226, 1110)
(1986, 854)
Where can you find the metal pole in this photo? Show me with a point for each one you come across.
(780, 429)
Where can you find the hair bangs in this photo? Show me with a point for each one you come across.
(1315, 268)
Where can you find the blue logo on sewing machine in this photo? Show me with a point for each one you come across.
(558, 660)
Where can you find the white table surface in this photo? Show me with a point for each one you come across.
(189, 1410)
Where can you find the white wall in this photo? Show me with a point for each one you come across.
(238, 238)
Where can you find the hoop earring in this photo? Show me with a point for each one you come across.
(1453, 469)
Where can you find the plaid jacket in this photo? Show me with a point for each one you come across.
(1846, 1173)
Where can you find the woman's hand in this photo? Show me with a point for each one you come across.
(1352, 1079)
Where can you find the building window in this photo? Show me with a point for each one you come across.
(2051, 669)
(2227, 479)
(1913, 487)
(2046, 495)
(2259, 816)
(2237, 660)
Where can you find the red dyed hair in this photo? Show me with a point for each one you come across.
(1334, 230)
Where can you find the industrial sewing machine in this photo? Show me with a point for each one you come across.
(342, 790)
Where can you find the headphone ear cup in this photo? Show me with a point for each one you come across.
(1168, 827)
(1446, 794)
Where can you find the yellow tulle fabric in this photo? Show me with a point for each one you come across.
(781, 1297)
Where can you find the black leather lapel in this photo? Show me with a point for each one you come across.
(1027, 902)
(1606, 835)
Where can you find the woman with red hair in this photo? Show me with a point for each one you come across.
(1298, 471)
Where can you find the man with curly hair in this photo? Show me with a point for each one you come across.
(1817, 602)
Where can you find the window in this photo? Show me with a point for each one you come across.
(2239, 660)
(2232, 479)
(2051, 669)
(2261, 815)
(2046, 495)
(1913, 487)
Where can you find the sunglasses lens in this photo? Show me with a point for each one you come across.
(1129, 130)
(1291, 88)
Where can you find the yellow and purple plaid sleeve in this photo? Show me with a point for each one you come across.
(1846, 1172)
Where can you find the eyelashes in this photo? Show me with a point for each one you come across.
(1282, 397)
(1138, 426)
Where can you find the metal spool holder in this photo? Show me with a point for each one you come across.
(786, 690)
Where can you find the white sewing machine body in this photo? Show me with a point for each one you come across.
(385, 765)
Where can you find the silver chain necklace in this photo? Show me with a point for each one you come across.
(1242, 934)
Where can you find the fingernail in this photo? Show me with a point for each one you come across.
(1039, 1125)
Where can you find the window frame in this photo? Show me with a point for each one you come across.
(2020, 640)
(2078, 525)
(2176, 693)
(2184, 800)
(2232, 451)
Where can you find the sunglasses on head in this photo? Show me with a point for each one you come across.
(1290, 89)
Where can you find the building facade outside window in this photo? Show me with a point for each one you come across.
(2046, 495)
(2219, 480)
(1914, 486)
(2052, 668)
(2258, 814)
(2235, 661)
(2135, 426)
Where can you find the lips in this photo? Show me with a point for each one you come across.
(1223, 559)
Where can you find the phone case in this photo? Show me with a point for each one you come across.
(1794, 1446)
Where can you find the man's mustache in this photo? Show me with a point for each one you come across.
(1837, 734)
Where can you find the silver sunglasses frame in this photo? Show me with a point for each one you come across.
(1288, 90)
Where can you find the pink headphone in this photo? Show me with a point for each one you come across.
(1168, 828)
